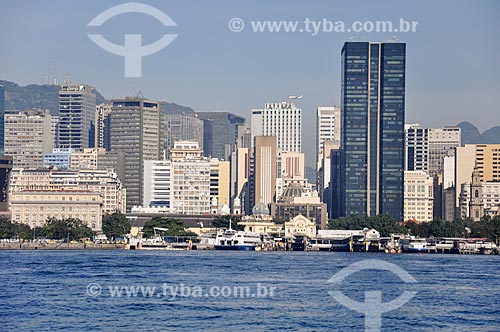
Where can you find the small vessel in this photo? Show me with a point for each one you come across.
(231, 239)
(300, 243)
(414, 245)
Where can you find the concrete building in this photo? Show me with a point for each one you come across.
(27, 137)
(221, 131)
(371, 158)
(34, 207)
(426, 148)
(136, 129)
(77, 104)
(191, 186)
(54, 129)
(281, 120)
(328, 124)
(240, 174)
(103, 126)
(297, 200)
(485, 156)
(264, 170)
(157, 183)
(419, 196)
(182, 127)
(293, 165)
(86, 158)
(479, 199)
(300, 225)
(104, 182)
(220, 179)
(58, 158)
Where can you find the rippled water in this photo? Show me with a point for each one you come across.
(47, 291)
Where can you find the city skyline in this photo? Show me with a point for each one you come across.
(234, 73)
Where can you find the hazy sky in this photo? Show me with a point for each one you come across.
(453, 66)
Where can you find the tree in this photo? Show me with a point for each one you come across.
(175, 227)
(9, 230)
(70, 228)
(115, 225)
(382, 223)
(223, 222)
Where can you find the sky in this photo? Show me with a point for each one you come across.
(453, 62)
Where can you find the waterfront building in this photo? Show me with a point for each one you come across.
(371, 159)
(221, 131)
(282, 120)
(34, 207)
(27, 137)
(418, 196)
(297, 200)
(104, 182)
(76, 128)
(136, 130)
(300, 225)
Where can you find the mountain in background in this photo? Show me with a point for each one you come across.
(35, 96)
(472, 135)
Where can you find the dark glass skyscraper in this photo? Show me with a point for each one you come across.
(369, 178)
(2, 118)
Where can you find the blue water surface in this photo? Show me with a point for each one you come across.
(49, 291)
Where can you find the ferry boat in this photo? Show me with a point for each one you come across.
(232, 239)
(414, 245)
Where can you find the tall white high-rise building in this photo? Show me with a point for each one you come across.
(282, 120)
(327, 129)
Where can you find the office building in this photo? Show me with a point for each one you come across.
(103, 126)
(220, 133)
(58, 158)
(77, 104)
(418, 196)
(86, 158)
(28, 137)
(220, 179)
(240, 173)
(426, 148)
(136, 129)
(182, 127)
(371, 160)
(264, 170)
(5, 169)
(157, 183)
(281, 120)
(328, 124)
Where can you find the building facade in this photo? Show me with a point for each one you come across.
(2, 114)
(281, 120)
(220, 133)
(35, 207)
(77, 104)
(28, 137)
(371, 159)
(182, 127)
(419, 196)
(328, 124)
(136, 130)
(103, 126)
(264, 170)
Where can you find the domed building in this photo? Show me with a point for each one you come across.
(298, 200)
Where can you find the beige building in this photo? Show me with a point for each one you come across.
(86, 159)
(300, 225)
(240, 173)
(35, 207)
(264, 163)
(104, 182)
(487, 157)
(261, 224)
(418, 196)
(28, 136)
(292, 165)
(220, 181)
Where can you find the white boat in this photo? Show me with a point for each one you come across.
(231, 239)
(414, 245)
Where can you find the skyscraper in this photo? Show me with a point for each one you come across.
(182, 127)
(2, 114)
(327, 129)
(220, 133)
(371, 159)
(102, 126)
(282, 120)
(264, 170)
(77, 105)
(136, 131)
